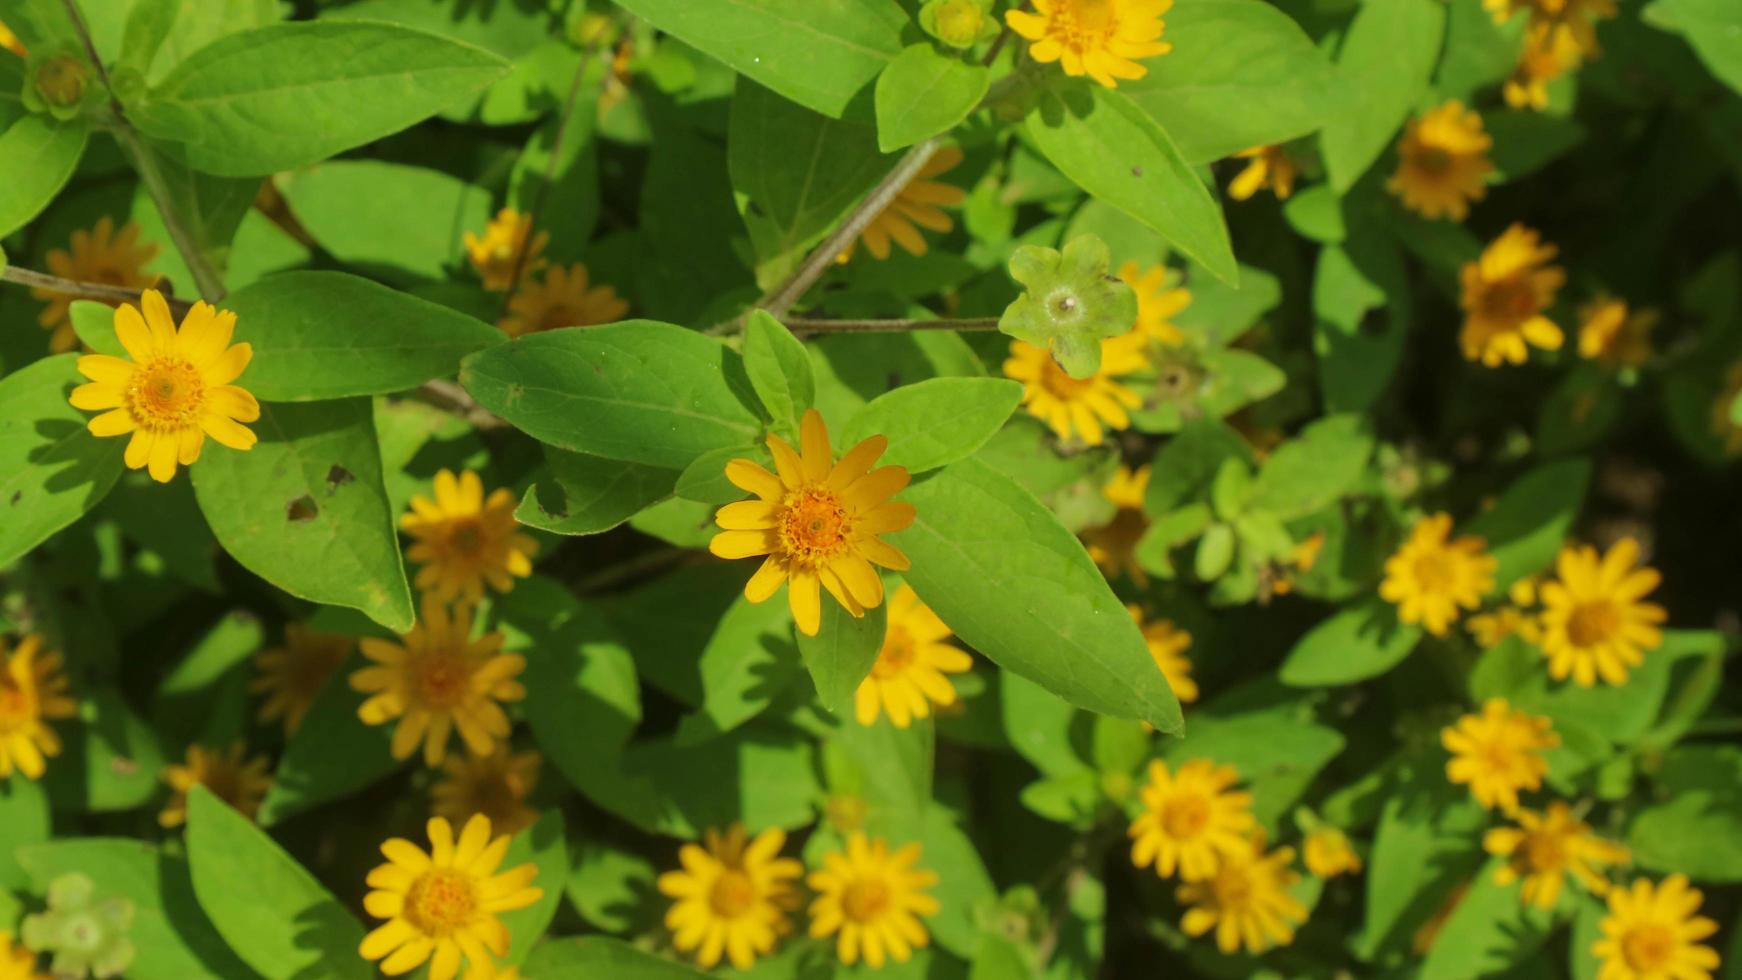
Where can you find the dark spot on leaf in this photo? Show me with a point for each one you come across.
(1136, 171)
(301, 509)
(337, 477)
(1375, 323)
(123, 766)
(17, 495)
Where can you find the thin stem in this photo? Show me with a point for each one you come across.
(206, 278)
(806, 325)
(101, 292)
(455, 400)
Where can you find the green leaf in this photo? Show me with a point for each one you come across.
(274, 98)
(1491, 929)
(748, 661)
(1388, 55)
(896, 766)
(818, 53)
(935, 422)
(597, 957)
(779, 368)
(1428, 843)
(1188, 462)
(543, 846)
(1117, 153)
(1526, 527)
(1362, 641)
(641, 391)
(204, 698)
(1220, 313)
(376, 215)
(332, 755)
(111, 762)
(923, 93)
(581, 494)
(1315, 468)
(1516, 670)
(840, 656)
(1038, 724)
(37, 157)
(24, 820)
(611, 887)
(52, 470)
(1697, 829)
(1241, 74)
(324, 335)
(171, 935)
(1361, 316)
(1712, 27)
(160, 34)
(306, 509)
(1015, 585)
(1525, 142)
(270, 910)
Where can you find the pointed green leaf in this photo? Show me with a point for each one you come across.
(779, 368)
(52, 470)
(935, 422)
(37, 156)
(924, 92)
(840, 656)
(1388, 56)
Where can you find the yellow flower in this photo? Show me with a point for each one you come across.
(16, 961)
(506, 239)
(1498, 753)
(1246, 900)
(175, 391)
(1652, 933)
(873, 898)
(1157, 305)
(1269, 167)
(1098, 38)
(1432, 574)
(1328, 853)
(10, 42)
(495, 785)
(1594, 622)
(563, 299)
(917, 204)
(436, 680)
(1548, 54)
(1614, 336)
(228, 773)
(1573, 18)
(909, 675)
(1301, 560)
(731, 897)
(99, 255)
(33, 691)
(293, 675)
(818, 522)
(1085, 407)
(1113, 545)
(466, 540)
(1547, 846)
(1722, 426)
(1491, 628)
(1168, 645)
(1442, 163)
(442, 905)
(1504, 294)
(1191, 820)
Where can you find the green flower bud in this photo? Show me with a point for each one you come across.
(86, 934)
(58, 82)
(957, 23)
(1070, 303)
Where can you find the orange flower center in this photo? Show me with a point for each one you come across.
(1544, 851)
(223, 781)
(814, 526)
(1509, 299)
(1433, 161)
(1084, 24)
(559, 315)
(1434, 573)
(1185, 816)
(1593, 622)
(1061, 385)
(1648, 948)
(18, 709)
(442, 679)
(465, 536)
(440, 901)
(166, 395)
(306, 670)
(1233, 888)
(897, 653)
(866, 900)
(733, 894)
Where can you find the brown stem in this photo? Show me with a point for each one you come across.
(806, 325)
(101, 292)
(455, 400)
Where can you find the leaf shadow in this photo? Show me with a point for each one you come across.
(326, 930)
(82, 463)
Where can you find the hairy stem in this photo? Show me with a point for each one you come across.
(809, 326)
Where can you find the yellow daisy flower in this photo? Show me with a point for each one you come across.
(466, 540)
(562, 299)
(33, 691)
(228, 773)
(1300, 560)
(175, 391)
(1269, 167)
(99, 255)
(1191, 820)
(17, 962)
(1574, 18)
(495, 785)
(436, 680)
(1504, 294)
(1245, 900)
(1548, 54)
(1498, 753)
(731, 897)
(1491, 628)
(1098, 38)
(1547, 846)
(10, 42)
(1113, 545)
(442, 906)
(909, 675)
(1328, 853)
(917, 204)
(1722, 426)
(505, 238)
(1653, 933)
(293, 675)
(818, 522)
(1168, 645)
(1594, 622)
(1157, 305)
(872, 898)
(1442, 163)
(1613, 335)
(1085, 407)
(1432, 575)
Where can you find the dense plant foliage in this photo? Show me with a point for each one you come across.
(978, 489)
